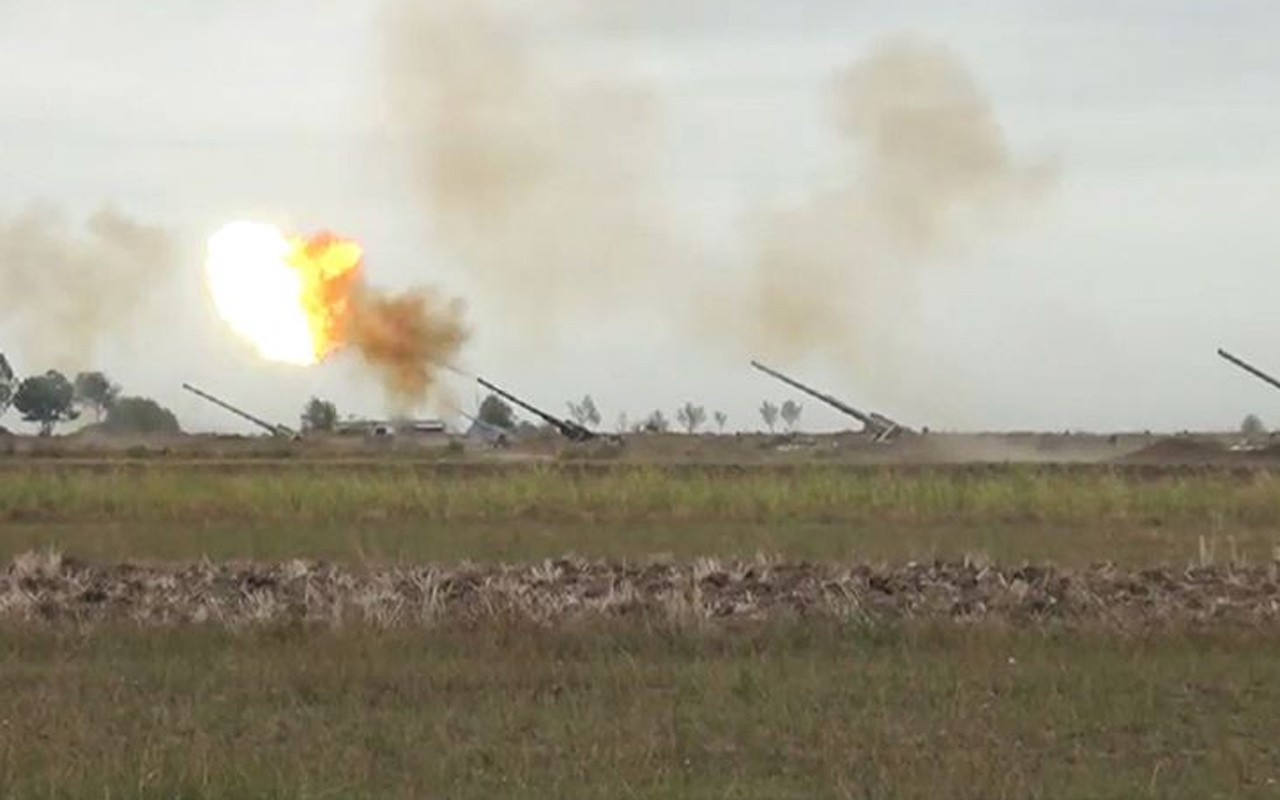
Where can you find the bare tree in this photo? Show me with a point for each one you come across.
(691, 417)
(8, 384)
(585, 413)
(769, 412)
(721, 418)
(791, 411)
(655, 423)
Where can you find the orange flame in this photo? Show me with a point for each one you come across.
(330, 268)
(298, 300)
(290, 297)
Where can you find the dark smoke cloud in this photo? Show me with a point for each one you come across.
(539, 183)
(927, 173)
(64, 289)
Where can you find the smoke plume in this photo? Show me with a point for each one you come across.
(546, 190)
(538, 182)
(408, 338)
(63, 289)
(927, 172)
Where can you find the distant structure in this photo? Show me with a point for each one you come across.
(487, 433)
(377, 428)
(881, 428)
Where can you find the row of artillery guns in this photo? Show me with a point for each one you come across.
(566, 428)
(878, 426)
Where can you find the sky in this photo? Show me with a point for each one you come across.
(1099, 309)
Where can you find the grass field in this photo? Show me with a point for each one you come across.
(640, 705)
(1074, 516)
(621, 711)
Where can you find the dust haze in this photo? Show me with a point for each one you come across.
(538, 180)
(927, 174)
(546, 192)
(65, 287)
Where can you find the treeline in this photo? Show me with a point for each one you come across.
(690, 417)
(51, 399)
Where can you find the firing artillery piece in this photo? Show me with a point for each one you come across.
(881, 428)
(283, 431)
(568, 429)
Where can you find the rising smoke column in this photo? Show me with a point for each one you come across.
(64, 289)
(538, 181)
(927, 173)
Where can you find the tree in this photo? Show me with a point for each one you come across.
(721, 418)
(656, 423)
(8, 384)
(495, 411)
(140, 415)
(95, 391)
(691, 417)
(319, 416)
(585, 413)
(770, 414)
(46, 399)
(790, 412)
(1252, 427)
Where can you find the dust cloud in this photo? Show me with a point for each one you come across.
(545, 188)
(64, 289)
(538, 179)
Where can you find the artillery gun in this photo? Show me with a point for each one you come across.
(283, 431)
(566, 428)
(881, 428)
(1249, 368)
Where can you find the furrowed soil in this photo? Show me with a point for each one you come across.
(294, 630)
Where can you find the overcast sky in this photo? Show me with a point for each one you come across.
(1100, 310)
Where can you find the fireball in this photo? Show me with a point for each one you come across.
(291, 298)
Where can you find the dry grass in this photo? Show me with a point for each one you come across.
(45, 587)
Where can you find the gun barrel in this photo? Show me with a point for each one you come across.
(866, 419)
(570, 430)
(1249, 368)
(276, 430)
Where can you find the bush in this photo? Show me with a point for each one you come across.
(140, 415)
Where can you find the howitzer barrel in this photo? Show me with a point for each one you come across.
(570, 430)
(865, 419)
(1249, 368)
(276, 430)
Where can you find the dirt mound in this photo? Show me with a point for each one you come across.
(1178, 450)
(49, 588)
